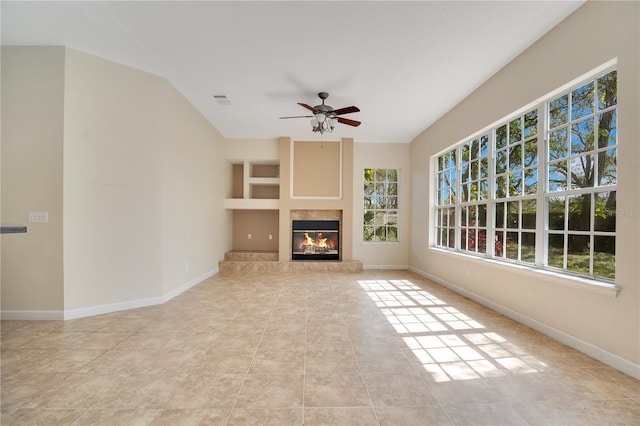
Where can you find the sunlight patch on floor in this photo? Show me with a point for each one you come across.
(449, 344)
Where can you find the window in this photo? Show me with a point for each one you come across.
(581, 196)
(474, 193)
(516, 187)
(380, 205)
(540, 186)
(445, 207)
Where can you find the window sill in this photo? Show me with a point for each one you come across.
(592, 286)
(380, 243)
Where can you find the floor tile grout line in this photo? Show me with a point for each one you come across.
(246, 375)
(306, 336)
(353, 350)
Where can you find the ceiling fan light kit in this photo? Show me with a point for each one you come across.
(325, 118)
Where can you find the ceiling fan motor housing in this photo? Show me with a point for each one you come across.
(324, 109)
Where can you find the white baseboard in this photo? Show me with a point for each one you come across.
(111, 307)
(104, 309)
(593, 351)
(178, 291)
(32, 315)
(385, 266)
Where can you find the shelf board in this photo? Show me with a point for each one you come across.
(263, 181)
(251, 204)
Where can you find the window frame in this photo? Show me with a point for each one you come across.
(395, 211)
(542, 193)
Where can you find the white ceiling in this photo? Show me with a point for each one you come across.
(404, 64)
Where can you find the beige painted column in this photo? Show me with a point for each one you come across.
(345, 203)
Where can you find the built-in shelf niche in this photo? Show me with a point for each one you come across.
(256, 185)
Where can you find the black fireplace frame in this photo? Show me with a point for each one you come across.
(326, 226)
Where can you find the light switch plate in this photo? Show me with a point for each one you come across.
(38, 217)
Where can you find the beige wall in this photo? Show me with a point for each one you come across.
(260, 224)
(112, 183)
(316, 169)
(141, 193)
(382, 156)
(604, 326)
(238, 150)
(32, 143)
(196, 230)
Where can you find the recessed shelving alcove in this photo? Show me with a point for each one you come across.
(256, 186)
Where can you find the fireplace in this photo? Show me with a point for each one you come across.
(315, 240)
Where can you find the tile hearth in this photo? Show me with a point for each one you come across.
(266, 261)
(370, 348)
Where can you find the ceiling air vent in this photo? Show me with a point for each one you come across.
(222, 99)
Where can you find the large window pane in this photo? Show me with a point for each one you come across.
(513, 214)
(515, 131)
(515, 184)
(528, 247)
(530, 181)
(582, 137)
(582, 172)
(578, 256)
(499, 215)
(579, 212)
(531, 124)
(558, 144)
(501, 137)
(556, 212)
(528, 214)
(515, 157)
(608, 169)
(531, 152)
(555, 252)
(557, 176)
(607, 129)
(558, 111)
(608, 90)
(501, 161)
(513, 243)
(482, 215)
(604, 256)
(582, 100)
(605, 211)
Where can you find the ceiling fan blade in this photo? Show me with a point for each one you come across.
(299, 116)
(309, 107)
(348, 122)
(346, 110)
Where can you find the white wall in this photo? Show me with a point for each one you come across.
(196, 230)
(382, 156)
(133, 178)
(606, 327)
(32, 141)
(112, 183)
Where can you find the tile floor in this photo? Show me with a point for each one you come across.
(375, 348)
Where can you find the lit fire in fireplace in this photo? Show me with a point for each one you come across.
(315, 240)
(319, 242)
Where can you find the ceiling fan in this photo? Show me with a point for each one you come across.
(324, 117)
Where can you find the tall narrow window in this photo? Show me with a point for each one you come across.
(445, 205)
(582, 177)
(380, 222)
